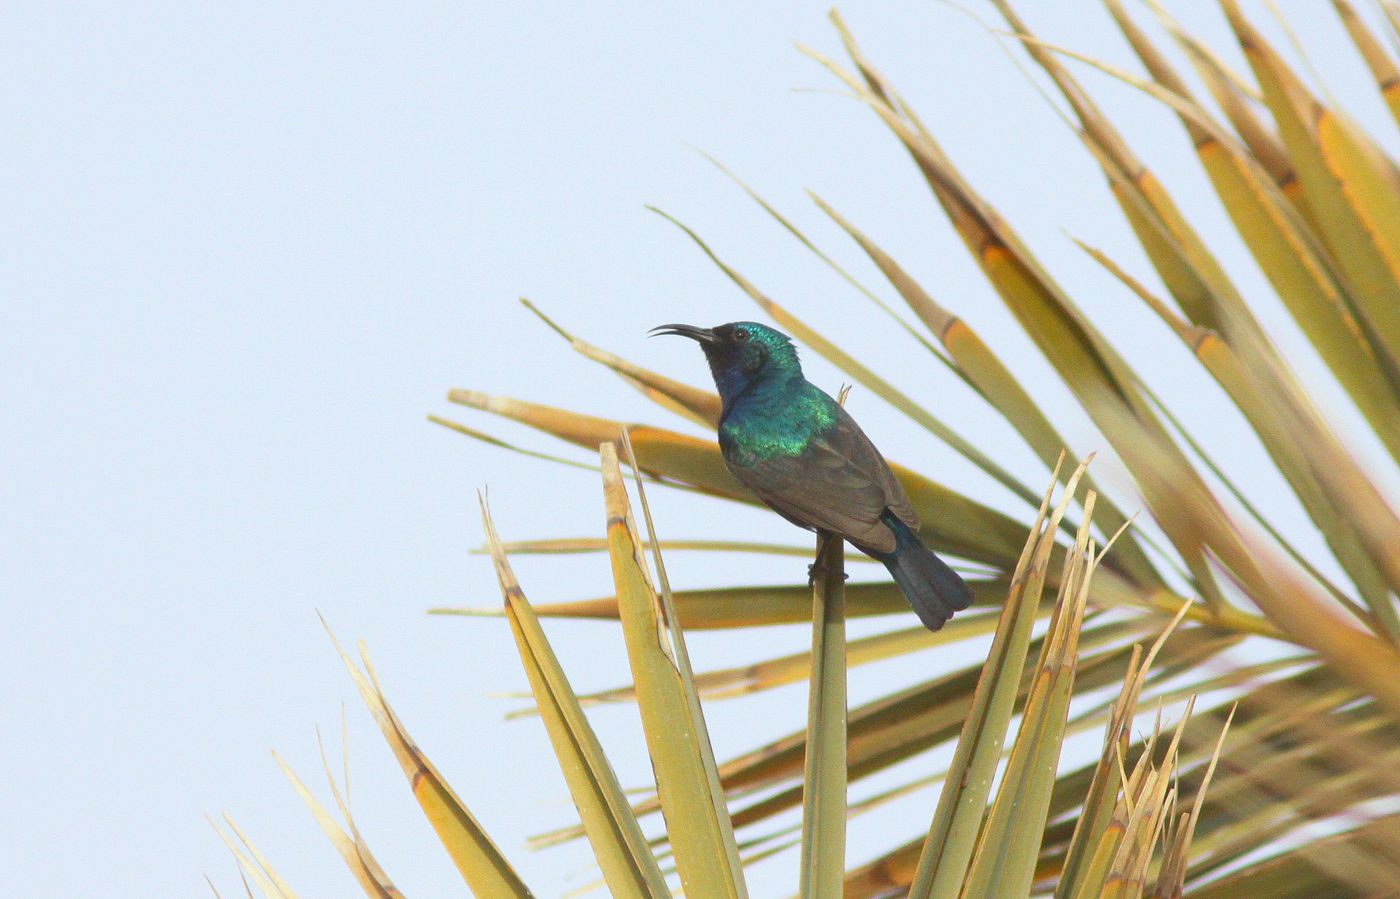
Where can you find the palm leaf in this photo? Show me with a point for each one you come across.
(687, 784)
(823, 861)
(622, 852)
(1283, 676)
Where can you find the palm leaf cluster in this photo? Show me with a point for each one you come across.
(1302, 666)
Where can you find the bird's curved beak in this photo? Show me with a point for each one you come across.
(703, 335)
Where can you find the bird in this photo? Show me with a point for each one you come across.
(800, 452)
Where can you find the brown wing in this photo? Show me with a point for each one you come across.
(839, 484)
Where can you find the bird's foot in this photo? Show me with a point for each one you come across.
(816, 570)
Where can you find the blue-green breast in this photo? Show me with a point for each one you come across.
(774, 420)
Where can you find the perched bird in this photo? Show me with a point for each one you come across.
(804, 456)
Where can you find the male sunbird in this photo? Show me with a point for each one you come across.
(806, 458)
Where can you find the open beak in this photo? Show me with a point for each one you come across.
(703, 335)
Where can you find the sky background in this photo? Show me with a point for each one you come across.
(249, 247)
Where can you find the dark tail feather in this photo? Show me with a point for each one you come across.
(933, 590)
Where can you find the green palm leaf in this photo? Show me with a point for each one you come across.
(1281, 671)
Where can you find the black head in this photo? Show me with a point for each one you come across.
(740, 353)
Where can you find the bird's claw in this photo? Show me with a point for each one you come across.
(816, 570)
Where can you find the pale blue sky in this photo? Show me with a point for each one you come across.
(248, 247)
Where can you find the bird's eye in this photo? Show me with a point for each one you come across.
(741, 335)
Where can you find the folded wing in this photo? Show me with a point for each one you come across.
(839, 483)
